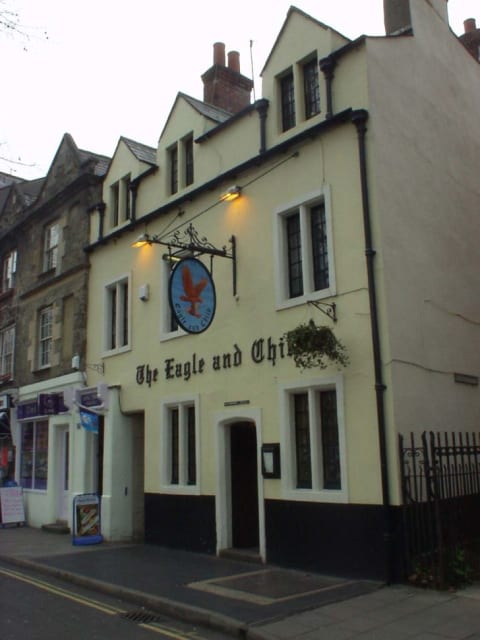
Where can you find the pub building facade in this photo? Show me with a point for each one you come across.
(314, 202)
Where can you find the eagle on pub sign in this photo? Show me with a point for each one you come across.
(192, 295)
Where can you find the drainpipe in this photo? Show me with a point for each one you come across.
(262, 108)
(327, 67)
(359, 119)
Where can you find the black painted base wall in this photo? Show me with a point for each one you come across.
(336, 539)
(181, 522)
(333, 539)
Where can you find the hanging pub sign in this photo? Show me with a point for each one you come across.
(192, 295)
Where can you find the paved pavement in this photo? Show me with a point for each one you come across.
(262, 602)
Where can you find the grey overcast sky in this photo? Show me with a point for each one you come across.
(111, 68)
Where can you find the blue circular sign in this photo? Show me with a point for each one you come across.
(192, 295)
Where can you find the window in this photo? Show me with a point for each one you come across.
(287, 100)
(304, 253)
(45, 337)
(117, 329)
(120, 201)
(314, 439)
(311, 88)
(179, 440)
(9, 268)
(7, 346)
(188, 158)
(173, 168)
(50, 255)
(115, 200)
(34, 455)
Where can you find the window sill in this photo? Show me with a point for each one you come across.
(180, 489)
(307, 297)
(116, 352)
(312, 495)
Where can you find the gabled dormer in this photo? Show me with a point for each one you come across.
(188, 119)
(291, 79)
(69, 166)
(131, 163)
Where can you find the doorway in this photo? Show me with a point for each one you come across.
(239, 503)
(244, 486)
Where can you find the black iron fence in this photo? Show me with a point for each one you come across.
(441, 503)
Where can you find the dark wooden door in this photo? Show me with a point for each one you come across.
(243, 448)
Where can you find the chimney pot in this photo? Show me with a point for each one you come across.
(234, 61)
(470, 25)
(219, 53)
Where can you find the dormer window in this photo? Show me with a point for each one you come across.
(188, 160)
(120, 198)
(311, 88)
(299, 93)
(50, 246)
(173, 168)
(9, 268)
(287, 97)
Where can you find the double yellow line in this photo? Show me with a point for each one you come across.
(90, 602)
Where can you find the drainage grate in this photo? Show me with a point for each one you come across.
(141, 616)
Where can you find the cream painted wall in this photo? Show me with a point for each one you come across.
(426, 198)
(252, 314)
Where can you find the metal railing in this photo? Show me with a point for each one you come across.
(441, 499)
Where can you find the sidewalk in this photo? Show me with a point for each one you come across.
(256, 601)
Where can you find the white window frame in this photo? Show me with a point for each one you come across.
(7, 352)
(118, 286)
(35, 457)
(45, 337)
(182, 404)
(9, 269)
(51, 246)
(281, 213)
(288, 450)
(120, 201)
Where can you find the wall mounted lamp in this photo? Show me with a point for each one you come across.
(232, 193)
(142, 240)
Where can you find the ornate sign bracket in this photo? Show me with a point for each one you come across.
(188, 241)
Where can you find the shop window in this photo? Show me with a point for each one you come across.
(313, 435)
(45, 337)
(179, 431)
(117, 315)
(9, 269)
(7, 347)
(34, 455)
(50, 246)
(304, 252)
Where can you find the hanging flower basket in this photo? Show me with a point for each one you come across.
(311, 345)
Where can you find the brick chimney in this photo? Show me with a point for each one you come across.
(396, 16)
(224, 86)
(471, 38)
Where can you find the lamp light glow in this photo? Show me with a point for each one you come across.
(141, 241)
(232, 193)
